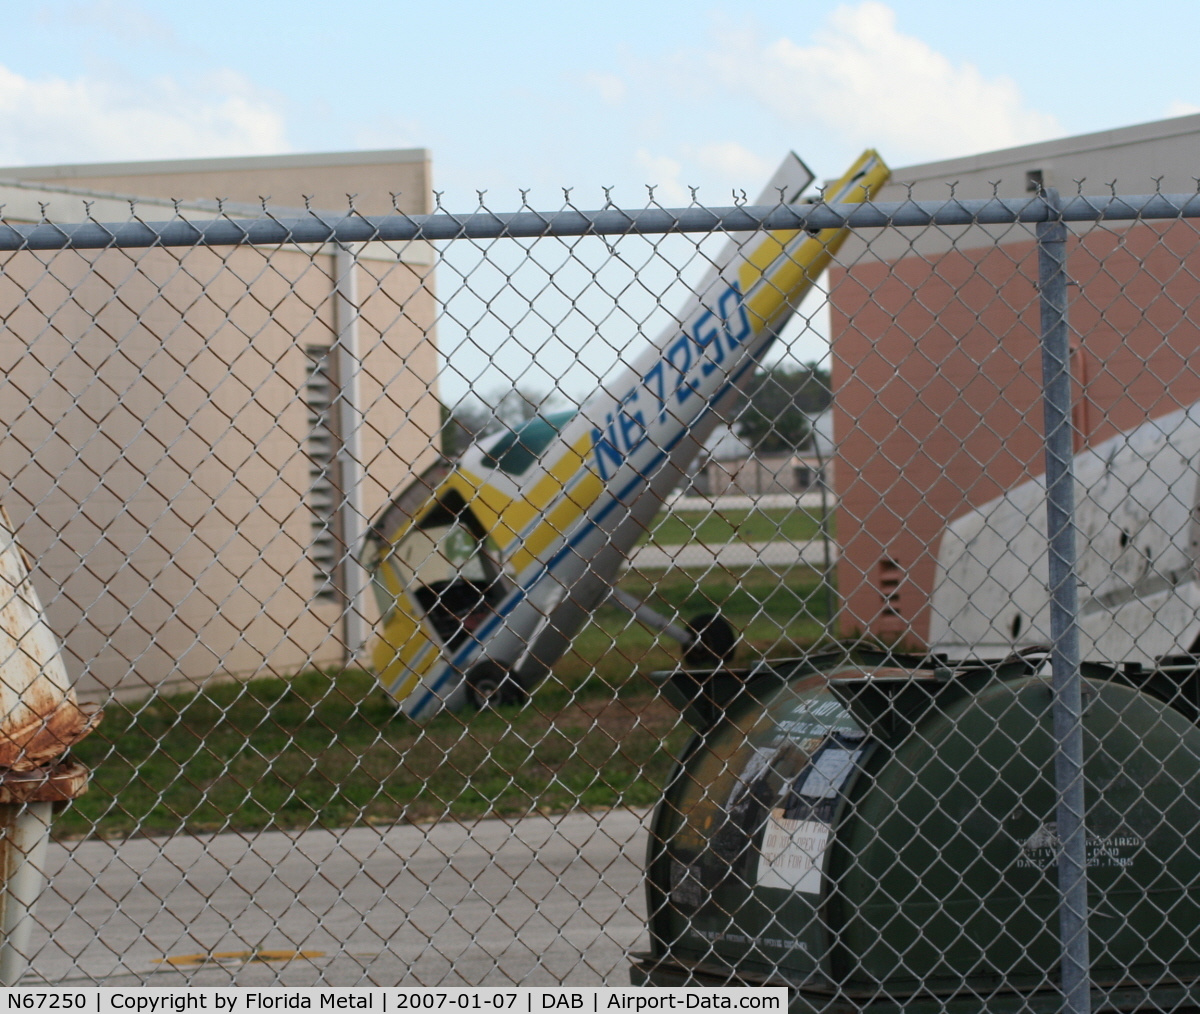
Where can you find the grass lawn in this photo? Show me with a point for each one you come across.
(775, 614)
(329, 750)
(750, 525)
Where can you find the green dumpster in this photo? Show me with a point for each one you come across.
(879, 833)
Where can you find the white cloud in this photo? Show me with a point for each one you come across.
(1180, 108)
(663, 173)
(609, 87)
(873, 85)
(738, 164)
(731, 162)
(54, 119)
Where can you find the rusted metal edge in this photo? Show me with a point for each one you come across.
(48, 730)
(52, 783)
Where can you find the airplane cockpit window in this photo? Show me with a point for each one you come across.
(518, 449)
(449, 568)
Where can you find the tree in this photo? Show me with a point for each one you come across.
(518, 405)
(775, 411)
(472, 418)
(463, 425)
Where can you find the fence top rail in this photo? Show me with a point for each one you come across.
(354, 228)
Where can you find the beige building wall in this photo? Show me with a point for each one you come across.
(762, 475)
(156, 450)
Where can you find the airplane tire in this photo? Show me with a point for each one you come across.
(490, 685)
(715, 643)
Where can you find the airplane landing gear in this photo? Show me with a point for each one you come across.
(490, 685)
(713, 642)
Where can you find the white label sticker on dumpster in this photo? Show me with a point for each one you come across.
(828, 773)
(792, 854)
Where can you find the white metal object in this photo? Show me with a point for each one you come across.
(39, 721)
(1137, 498)
(650, 617)
(24, 835)
(546, 525)
(39, 716)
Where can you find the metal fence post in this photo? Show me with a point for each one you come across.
(349, 422)
(1064, 606)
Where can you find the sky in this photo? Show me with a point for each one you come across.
(541, 96)
(547, 95)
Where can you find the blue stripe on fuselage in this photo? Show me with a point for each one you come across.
(505, 608)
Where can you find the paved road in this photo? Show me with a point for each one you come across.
(533, 901)
(778, 555)
(767, 501)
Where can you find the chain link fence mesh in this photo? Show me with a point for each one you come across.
(255, 480)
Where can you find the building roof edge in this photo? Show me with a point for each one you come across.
(1112, 138)
(312, 160)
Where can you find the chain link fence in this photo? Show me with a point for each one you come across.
(861, 535)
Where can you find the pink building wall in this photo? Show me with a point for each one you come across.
(936, 377)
